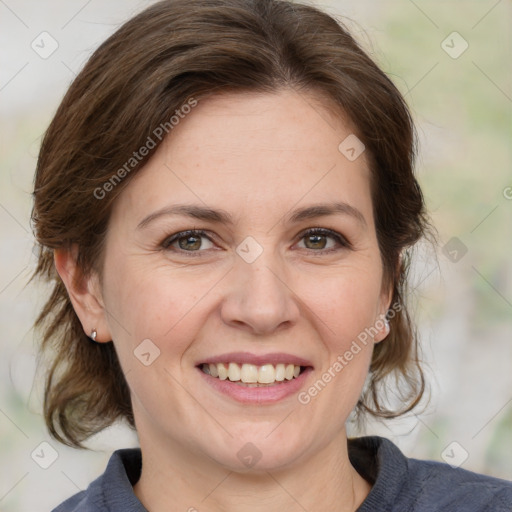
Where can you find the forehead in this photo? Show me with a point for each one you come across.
(256, 153)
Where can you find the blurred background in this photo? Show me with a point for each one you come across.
(452, 61)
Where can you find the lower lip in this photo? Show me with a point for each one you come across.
(259, 395)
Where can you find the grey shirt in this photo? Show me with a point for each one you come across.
(400, 484)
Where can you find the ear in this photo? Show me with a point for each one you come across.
(380, 322)
(84, 293)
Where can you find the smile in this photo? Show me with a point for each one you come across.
(251, 378)
(251, 375)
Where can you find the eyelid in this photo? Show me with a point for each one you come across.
(168, 240)
(342, 241)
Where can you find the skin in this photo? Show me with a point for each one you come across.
(256, 156)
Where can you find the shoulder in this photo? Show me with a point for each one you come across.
(85, 501)
(458, 489)
(113, 490)
(402, 483)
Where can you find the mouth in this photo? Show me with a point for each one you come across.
(255, 379)
(251, 375)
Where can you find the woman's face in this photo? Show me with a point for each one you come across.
(253, 289)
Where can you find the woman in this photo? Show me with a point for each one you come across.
(224, 201)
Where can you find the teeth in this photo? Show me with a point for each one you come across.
(252, 374)
(222, 371)
(249, 373)
(280, 372)
(233, 372)
(213, 370)
(267, 374)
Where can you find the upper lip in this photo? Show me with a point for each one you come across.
(257, 359)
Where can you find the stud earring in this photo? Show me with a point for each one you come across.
(94, 333)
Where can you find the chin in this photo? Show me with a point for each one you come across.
(259, 453)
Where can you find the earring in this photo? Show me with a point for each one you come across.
(388, 328)
(94, 333)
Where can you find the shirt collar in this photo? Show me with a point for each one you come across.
(375, 458)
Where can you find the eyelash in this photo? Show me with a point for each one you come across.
(340, 239)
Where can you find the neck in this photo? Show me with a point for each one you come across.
(174, 478)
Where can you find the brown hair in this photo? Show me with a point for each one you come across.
(135, 82)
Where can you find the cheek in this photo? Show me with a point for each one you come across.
(154, 303)
(343, 309)
(344, 301)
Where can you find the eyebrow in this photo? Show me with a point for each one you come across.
(223, 217)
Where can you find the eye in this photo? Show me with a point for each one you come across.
(316, 238)
(187, 241)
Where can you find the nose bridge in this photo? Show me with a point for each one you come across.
(259, 296)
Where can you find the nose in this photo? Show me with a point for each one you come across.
(259, 299)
